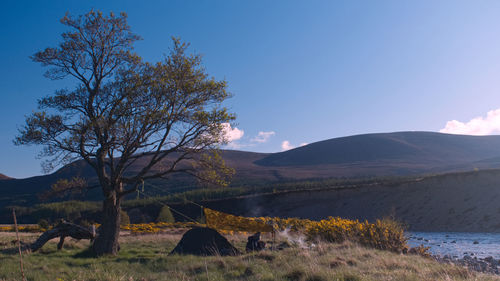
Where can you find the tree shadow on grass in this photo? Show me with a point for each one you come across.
(87, 253)
(10, 251)
(140, 260)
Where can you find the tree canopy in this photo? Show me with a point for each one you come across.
(165, 115)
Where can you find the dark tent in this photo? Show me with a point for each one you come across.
(204, 241)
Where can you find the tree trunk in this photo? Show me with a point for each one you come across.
(62, 230)
(106, 242)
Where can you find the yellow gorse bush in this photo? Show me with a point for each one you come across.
(156, 227)
(382, 234)
(228, 222)
(22, 228)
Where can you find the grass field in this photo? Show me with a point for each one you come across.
(145, 257)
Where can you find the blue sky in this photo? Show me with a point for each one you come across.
(300, 71)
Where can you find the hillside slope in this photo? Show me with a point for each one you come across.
(433, 149)
(361, 156)
(462, 202)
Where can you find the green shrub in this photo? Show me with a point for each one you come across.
(43, 224)
(124, 219)
(165, 215)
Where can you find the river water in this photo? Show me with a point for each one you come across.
(458, 244)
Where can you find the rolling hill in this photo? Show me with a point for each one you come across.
(457, 202)
(413, 148)
(360, 156)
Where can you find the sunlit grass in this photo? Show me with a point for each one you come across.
(145, 257)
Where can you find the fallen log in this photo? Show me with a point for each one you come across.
(62, 230)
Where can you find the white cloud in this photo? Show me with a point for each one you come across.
(235, 145)
(286, 145)
(263, 137)
(231, 134)
(476, 126)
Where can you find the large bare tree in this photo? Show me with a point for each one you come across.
(124, 111)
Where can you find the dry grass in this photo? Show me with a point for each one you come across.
(146, 257)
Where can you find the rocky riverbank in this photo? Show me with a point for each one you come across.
(485, 265)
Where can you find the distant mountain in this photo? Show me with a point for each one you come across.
(4, 177)
(370, 155)
(414, 148)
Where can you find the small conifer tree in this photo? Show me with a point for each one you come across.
(165, 215)
(124, 218)
(43, 224)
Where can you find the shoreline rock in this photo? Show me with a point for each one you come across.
(484, 265)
